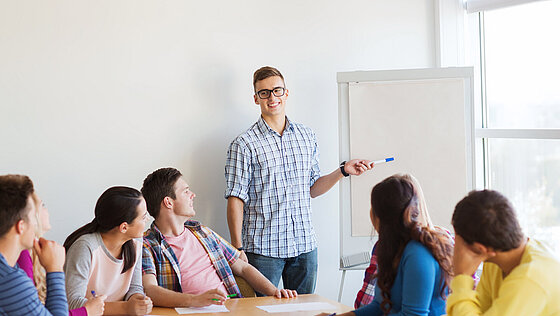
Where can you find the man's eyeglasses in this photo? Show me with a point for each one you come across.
(277, 92)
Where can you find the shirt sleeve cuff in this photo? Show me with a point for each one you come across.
(132, 292)
(237, 193)
(149, 271)
(462, 299)
(462, 282)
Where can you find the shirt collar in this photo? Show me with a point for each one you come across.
(188, 224)
(4, 261)
(264, 127)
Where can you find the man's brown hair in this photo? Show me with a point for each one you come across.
(488, 218)
(157, 186)
(266, 72)
(14, 194)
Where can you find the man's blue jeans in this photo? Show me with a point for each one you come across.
(298, 273)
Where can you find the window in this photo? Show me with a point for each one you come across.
(518, 132)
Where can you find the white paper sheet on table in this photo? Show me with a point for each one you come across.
(286, 308)
(205, 309)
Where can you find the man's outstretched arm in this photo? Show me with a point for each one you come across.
(353, 167)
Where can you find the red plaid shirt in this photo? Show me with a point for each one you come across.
(366, 293)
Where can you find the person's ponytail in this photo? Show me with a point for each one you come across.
(91, 227)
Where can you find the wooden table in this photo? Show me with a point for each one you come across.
(247, 306)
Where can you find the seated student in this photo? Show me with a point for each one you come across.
(103, 257)
(18, 222)
(28, 261)
(185, 263)
(366, 293)
(520, 276)
(414, 261)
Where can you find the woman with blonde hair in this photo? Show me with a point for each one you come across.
(28, 261)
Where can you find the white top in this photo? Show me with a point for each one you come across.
(90, 267)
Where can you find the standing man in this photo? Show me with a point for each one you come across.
(271, 172)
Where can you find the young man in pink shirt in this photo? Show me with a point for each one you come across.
(185, 263)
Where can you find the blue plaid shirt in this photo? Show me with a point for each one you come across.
(272, 174)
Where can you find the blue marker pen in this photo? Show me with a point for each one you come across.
(383, 160)
(93, 293)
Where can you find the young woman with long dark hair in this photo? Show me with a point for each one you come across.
(367, 292)
(104, 256)
(414, 260)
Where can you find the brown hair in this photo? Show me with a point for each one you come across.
(266, 72)
(14, 194)
(487, 217)
(424, 216)
(395, 203)
(157, 186)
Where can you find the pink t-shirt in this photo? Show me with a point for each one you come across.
(198, 274)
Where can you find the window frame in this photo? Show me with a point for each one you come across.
(484, 133)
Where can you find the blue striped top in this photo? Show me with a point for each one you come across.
(18, 295)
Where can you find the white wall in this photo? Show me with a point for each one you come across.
(100, 93)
